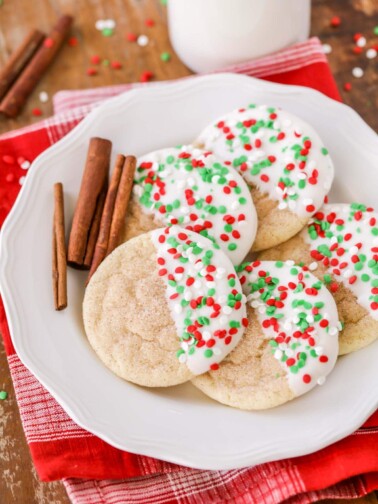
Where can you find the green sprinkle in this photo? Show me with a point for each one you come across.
(374, 231)
(232, 246)
(208, 353)
(375, 30)
(107, 32)
(279, 264)
(324, 151)
(3, 394)
(294, 271)
(365, 277)
(243, 201)
(165, 56)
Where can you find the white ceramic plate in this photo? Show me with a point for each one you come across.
(177, 424)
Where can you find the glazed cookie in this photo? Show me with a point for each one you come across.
(289, 346)
(282, 159)
(190, 187)
(164, 307)
(340, 246)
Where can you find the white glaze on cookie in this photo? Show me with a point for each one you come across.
(299, 317)
(204, 296)
(344, 238)
(190, 187)
(275, 151)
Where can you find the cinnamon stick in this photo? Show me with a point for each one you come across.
(19, 59)
(17, 95)
(106, 219)
(93, 233)
(59, 265)
(93, 181)
(120, 207)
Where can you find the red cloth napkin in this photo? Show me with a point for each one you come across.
(62, 450)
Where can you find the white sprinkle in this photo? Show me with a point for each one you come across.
(347, 273)
(353, 250)
(282, 205)
(255, 304)
(227, 310)
(184, 210)
(296, 320)
(206, 335)
(290, 262)
(178, 308)
(308, 201)
(289, 352)
(142, 40)
(371, 53)
(25, 165)
(261, 309)
(339, 326)
(357, 72)
(313, 266)
(21, 180)
(100, 24)
(210, 285)
(301, 176)
(327, 49)
(278, 354)
(43, 97)
(361, 42)
(220, 273)
(319, 350)
(188, 296)
(217, 351)
(235, 205)
(197, 284)
(321, 380)
(223, 320)
(191, 182)
(138, 190)
(182, 358)
(310, 319)
(333, 331)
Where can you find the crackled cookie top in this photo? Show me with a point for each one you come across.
(298, 316)
(344, 238)
(204, 296)
(190, 187)
(275, 151)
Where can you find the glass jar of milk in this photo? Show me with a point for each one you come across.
(211, 34)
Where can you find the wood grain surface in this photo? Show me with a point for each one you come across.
(18, 481)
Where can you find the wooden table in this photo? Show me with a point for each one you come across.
(18, 481)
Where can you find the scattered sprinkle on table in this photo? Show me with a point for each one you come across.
(357, 72)
(165, 56)
(361, 42)
(117, 65)
(95, 59)
(43, 97)
(375, 30)
(371, 53)
(347, 86)
(149, 22)
(335, 21)
(327, 49)
(3, 394)
(72, 41)
(105, 63)
(146, 76)
(91, 71)
(107, 32)
(357, 50)
(142, 40)
(131, 37)
(37, 112)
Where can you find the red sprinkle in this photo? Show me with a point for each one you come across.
(95, 59)
(335, 21)
(146, 76)
(116, 65)
(72, 41)
(37, 112)
(91, 71)
(347, 86)
(306, 378)
(48, 42)
(131, 37)
(149, 22)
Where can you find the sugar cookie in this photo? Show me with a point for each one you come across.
(282, 159)
(190, 187)
(164, 307)
(340, 246)
(289, 346)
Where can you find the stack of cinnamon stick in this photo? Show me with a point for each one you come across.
(99, 214)
(27, 64)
